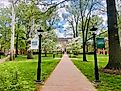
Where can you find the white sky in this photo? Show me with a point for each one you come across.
(4, 3)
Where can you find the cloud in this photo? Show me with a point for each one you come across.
(4, 3)
(60, 35)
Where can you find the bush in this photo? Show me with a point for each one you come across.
(20, 75)
(10, 80)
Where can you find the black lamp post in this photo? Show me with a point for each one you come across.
(39, 57)
(95, 55)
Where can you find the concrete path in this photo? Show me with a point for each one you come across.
(66, 77)
(4, 59)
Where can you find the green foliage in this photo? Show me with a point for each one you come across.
(20, 75)
(5, 27)
(58, 48)
(93, 21)
(10, 79)
(74, 45)
(29, 17)
(49, 41)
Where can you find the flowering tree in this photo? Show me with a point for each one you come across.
(74, 45)
(49, 41)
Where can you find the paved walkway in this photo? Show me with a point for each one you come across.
(4, 59)
(66, 77)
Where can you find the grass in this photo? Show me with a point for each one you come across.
(109, 82)
(2, 56)
(57, 55)
(20, 75)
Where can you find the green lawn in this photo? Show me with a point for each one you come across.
(20, 75)
(2, 56)
(57, 55)
(109, 82)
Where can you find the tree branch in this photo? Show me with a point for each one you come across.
(97, 35)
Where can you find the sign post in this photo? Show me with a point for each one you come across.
(100, 43)
(34, 43)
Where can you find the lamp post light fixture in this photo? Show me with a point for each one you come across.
(96, 73)
(39, 57)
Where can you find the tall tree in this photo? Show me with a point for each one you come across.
(32, 15)
(74, 45)
(73, 19)
(12, 31)
(113, 37)
(49, 41)
(86, 9)
(5, 28)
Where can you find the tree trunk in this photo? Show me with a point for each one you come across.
(45, 52)
(84, 49)
(29, 55)
(114, 44)
(16, 45)
(12, 57)
(29, 51)
(87, 48)
(74, 34)
(76, 30)
(83, 33)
